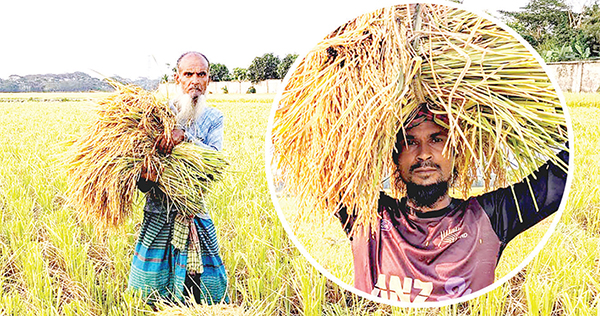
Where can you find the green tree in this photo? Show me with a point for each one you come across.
(263, 68)
(555, 31)
(219, 72)
(590, 26)
(240, 74)
(544, 24)
(285, 65)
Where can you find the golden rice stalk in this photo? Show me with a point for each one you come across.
(193, 309)
(336, 123)
(105, 162)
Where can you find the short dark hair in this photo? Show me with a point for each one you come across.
(192, 53)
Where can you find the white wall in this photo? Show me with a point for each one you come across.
(236, 87)
(577, 76)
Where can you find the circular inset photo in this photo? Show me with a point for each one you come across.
(418, 154)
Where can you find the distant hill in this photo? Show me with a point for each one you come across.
(69, 82)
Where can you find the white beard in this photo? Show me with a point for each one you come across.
(187, 110)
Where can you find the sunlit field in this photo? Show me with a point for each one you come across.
(52, 264)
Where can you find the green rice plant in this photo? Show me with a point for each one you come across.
(582, 99)
(335, 126)
(254, 245)
(53, 263)
(321, 237)
(584, 203)
(310, 286)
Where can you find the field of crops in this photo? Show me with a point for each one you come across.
(52, 264)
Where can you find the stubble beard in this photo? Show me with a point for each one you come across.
(189, 108)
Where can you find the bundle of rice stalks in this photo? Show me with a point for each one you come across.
(336, 124)
(187, 175)
(104, 164)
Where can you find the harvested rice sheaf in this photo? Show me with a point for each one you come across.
(104, 164)
(336, 123)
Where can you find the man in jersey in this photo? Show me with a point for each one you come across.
(431, 247)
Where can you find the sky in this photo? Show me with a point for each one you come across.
(139, 38)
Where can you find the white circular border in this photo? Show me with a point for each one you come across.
(497, 283)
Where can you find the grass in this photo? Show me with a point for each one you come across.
(51, 264)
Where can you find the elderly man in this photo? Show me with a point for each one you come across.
(177, 256)
(430, 246)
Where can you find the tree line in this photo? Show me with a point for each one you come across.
(267, 66)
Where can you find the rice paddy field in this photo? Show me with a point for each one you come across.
(52, 264)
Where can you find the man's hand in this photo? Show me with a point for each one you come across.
(165, 146)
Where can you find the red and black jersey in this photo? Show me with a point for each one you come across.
(444, 254)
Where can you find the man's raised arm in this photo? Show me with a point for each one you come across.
(547, 185)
